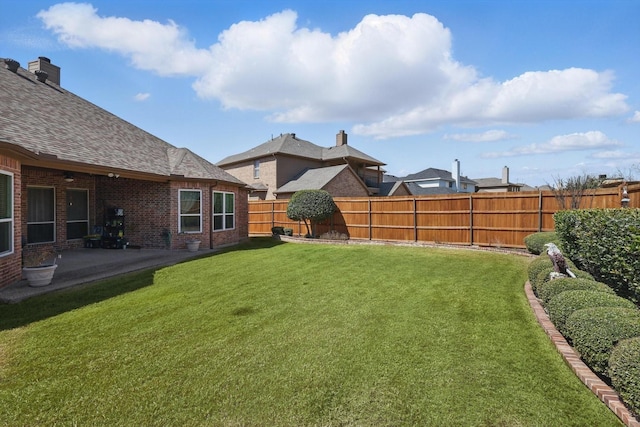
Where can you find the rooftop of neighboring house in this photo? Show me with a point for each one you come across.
(434, 174)
(312, 178)
(44, 123)
(489, 183)
(290, 144)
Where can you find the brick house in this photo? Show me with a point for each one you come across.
(278, 168)
(66, 165)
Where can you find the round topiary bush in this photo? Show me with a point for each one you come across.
(555, 287)
(535, 242)
(595, 331)
(624, 371)
(581, 274)
(542, 277)
(537, 265)
(565, 304)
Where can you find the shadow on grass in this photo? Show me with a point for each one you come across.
(50, 305)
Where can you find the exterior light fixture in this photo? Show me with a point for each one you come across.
(68, 177)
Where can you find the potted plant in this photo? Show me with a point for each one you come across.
(193, 245)
(38, 267)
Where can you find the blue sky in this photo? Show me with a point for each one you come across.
(548, 88)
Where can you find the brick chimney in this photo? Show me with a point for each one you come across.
(341, 138)
(44, 64)
(455, 173)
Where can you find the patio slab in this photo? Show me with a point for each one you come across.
(85, 265)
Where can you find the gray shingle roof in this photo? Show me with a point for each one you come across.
(52, 122)
(494, 182)
(290, 144)
(312, 179)
(433, 173)
(416, 190)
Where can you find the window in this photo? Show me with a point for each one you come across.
(77, 214)
(256, 168)
(190, 211)
(41, 218)
(6, 213)
(223, 211)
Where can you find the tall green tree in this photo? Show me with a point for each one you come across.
(310, 206)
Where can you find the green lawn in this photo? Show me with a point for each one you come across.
(293, 335)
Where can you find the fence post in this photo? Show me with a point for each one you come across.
(415, 220)
(539, 211)
(273, 215)
(471, 219)
(370, 232)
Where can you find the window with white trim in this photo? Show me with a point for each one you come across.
(41, 215)
(190, 211)
(256, 169)
(77, 214)
(224, 210)
(6, 213)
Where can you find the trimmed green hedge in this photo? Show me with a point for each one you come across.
(595, 331)
(535, 242)
(624, 371)
(606, 243)
(557, 286)
(562, 306)
(538, 264)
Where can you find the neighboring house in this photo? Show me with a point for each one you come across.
(500, 185)
(285, 164)
(437, 181)
(66, 164)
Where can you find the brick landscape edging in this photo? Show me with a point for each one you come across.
(591, 380)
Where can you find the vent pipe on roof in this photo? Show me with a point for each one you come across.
(41, 75)
(12, 65)
(341, 138)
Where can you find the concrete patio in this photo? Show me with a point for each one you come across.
(84, 265)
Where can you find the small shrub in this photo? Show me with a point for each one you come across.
(277, 231)
(581, 274)
(624, 371)
(595, 331)
(542, 278)
(535, 242)
(544, 269)
(564, 305)
(537, 265)
(557, 286)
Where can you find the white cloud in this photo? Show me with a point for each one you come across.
(488, 136)
(591, 140)
(635, 118)
(393, 74)
(609, 154)
(162, 48)
(141, 96)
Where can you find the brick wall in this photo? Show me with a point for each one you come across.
(11, 265)
(241, 230)
(147, 208)
(39, 177)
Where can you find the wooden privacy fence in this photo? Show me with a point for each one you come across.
(482, 219)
